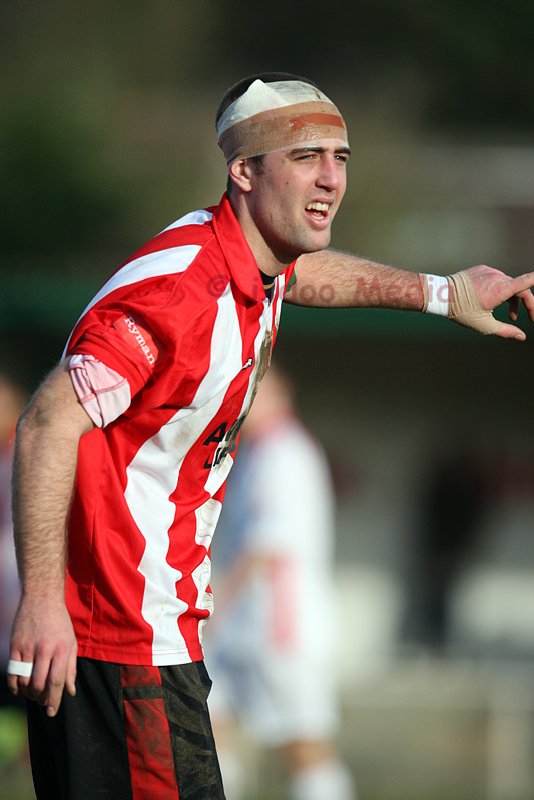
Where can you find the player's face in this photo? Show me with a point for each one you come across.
(295, 197)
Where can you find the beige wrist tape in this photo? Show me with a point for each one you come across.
(456, 298)
(465, 307)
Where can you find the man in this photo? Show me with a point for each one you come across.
(127, 444)
(270, 651)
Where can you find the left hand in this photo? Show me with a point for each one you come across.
(492, 287)
(43, 637)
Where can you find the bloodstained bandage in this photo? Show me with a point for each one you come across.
(273, 116)
(268, 131)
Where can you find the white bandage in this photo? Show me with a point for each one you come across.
(436, 291)
(21, 668)
(272, 116)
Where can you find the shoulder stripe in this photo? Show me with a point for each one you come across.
(163, 262)
(171, 261)
(193, 218)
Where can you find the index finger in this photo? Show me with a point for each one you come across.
(522, 283)
(521, 288)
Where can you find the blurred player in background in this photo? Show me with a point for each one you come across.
(13, 746)
(12, 399)
(270, 648)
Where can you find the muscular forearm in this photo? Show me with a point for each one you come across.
(42, 639)
(44, 470)
(330, 279)
(333, 279)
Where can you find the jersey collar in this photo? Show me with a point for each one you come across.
(241, 262)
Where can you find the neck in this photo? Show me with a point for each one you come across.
(268, 260)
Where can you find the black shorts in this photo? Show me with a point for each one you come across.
(131, 733)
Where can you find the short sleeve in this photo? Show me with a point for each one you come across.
(127, 339)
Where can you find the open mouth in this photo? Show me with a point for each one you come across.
(318, 210)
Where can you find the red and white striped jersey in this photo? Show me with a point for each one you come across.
(187, 323)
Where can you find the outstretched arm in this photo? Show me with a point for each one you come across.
(45, 464)
(331, 279)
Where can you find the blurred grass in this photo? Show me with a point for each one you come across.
(15, 778)
(16, 783)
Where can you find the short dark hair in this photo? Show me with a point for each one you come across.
(240, 88)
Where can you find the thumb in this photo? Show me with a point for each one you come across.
(507, 331)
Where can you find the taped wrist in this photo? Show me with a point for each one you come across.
(465, 308)
(456, 298)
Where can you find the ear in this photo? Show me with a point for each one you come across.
(240, 172)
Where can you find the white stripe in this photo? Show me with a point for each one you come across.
(262, 96)
(193, 218)
(266, 326)
(219, 472)
(201, 578)
(152, 477)
(165, 262)
(207, 517)
(153, 264)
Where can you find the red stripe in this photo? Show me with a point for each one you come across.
(139, 676)
(152, 771)
(283, 623)
(183, 234)
(297, 123)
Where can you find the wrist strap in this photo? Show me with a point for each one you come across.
(436, 291)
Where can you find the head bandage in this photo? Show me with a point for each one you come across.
(271, 116)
